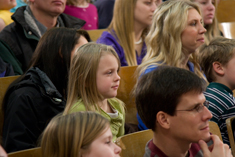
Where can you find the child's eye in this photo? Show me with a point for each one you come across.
(109, 72)
(108, 142)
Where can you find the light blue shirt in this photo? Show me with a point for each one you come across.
(19, 4)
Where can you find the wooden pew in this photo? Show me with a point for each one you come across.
(225, 11)
(95, 34)
(127, 83)
(4, 83)
(228, 29)
(34, 152)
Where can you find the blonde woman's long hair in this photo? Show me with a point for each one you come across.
(163, 41)
(123, 26)
(71, 135)
(82, 76)
(212, 29)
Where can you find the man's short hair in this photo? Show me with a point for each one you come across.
(220, 49)
(161, 90)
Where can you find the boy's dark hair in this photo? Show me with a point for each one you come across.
(220, 50)
(161, 90)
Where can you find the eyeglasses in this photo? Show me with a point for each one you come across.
(198, 108)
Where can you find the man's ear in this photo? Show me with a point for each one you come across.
(218, 68)
(162, 119)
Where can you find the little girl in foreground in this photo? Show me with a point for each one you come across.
(93, 84)
(81, 134)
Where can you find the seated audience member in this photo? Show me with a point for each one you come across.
(80, 134)
(5, 14)
(5, 69)
(218, 63)
(208, 10)
(19, 39)
(41, 92)
(83, 10)
(174, 43)
(19, 3)
(128, 28)
(93, 84)
(170, 101)
(105, 12)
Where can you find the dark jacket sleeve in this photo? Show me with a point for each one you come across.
(5, 69)
(8, 56)
(23, 119)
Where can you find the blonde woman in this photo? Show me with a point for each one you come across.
(177, 31)
(93, 85)
(81, 134)
(126, 33)
(84, 10)
(208, 9)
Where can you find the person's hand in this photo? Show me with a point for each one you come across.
(2, 152)
(218, 148)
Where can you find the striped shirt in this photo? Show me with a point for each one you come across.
(222, 106)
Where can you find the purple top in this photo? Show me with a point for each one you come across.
(88, 14)
(108, 39)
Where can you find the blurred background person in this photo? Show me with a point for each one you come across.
(84, 10)
(105, 12)
(19, 39)
(128, 28)
(208, 11)
(20, 3)
(5, 14)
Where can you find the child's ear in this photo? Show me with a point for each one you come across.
(162, 119)
(218, 68)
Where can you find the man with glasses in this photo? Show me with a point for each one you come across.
(170, 101)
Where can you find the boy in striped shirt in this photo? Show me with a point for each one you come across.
(217, 60)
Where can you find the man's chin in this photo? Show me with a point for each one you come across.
(207, 138)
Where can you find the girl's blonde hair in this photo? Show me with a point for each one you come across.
(71, 135)
(212, 29)
(164, 45)
(82, 76)
(123, 26)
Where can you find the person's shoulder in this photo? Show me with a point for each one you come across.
(221, 88)
(9, 30)
(92, 6)
(78, 106)
(195, 150)
(22, 93)
(117, 104)
(150, 68)
(106, 38)
(106, 34)
(72, 22)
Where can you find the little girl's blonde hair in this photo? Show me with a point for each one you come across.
(71, 135)
(82, 76)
